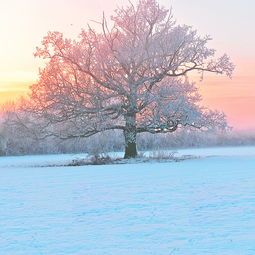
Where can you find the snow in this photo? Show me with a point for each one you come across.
(200, 206)
(38, 160)
(64, 159)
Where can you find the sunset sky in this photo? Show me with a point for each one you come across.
(23, 23)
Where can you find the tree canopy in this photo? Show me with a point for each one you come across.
(132, 76)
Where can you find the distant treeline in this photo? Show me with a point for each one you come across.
(17, 140)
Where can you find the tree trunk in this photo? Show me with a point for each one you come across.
(130, 136)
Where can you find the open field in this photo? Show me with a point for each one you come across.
(193, 207)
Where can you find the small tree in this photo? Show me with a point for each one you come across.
(132, 77)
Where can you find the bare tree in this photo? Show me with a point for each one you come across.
(131, 76)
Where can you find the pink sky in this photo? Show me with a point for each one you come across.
(23, 23)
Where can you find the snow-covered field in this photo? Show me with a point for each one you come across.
(194, 207)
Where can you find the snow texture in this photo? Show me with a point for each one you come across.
(201, 206)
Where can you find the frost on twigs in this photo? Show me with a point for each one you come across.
(130, 77)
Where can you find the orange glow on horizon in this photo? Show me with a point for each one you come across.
(11, 92)
(235, 97)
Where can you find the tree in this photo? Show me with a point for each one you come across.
(132, 77)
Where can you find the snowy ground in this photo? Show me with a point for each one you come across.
(194, 207)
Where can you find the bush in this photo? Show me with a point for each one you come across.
(93, 160)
